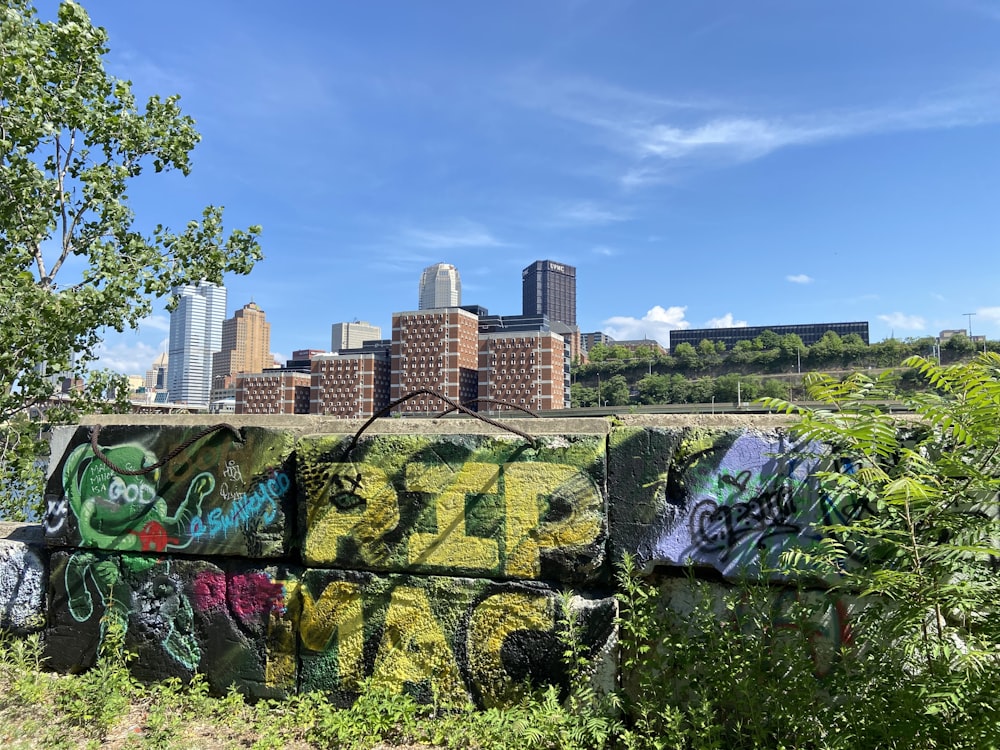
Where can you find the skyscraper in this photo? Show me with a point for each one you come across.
(549, 288)
(246, 343)
(440, 286)
(195, 334)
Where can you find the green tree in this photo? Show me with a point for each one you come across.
(654, 389)
(598, 352)
(708, 354)
(686, 356)
(72, 139)
(921, 553)
(615, 391)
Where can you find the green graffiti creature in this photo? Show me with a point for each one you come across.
(159, 606)
(124, 513)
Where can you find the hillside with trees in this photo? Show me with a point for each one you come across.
(770, 365)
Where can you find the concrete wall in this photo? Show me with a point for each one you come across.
(438, 557)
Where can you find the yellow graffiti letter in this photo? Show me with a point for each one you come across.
(338, 609)
(493, 620)
(329, 522)
(450, 547)
(528, 488)
(414, 650)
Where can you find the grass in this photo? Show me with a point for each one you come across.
(106, 708)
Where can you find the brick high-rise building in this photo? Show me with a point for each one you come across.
(351, 384)
(549, 288)
(273, 392)
(438, 350)
(525, 368)
(246, 344)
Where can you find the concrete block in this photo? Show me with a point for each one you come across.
(22, 578)
(221, 495)
(465, 505)
(233, 623)
(454, 641)
(725, 499)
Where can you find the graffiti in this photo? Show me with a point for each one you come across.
(454, 641)
(459, 504)
(531, 508)
(55, 516)
(125, 513)
(722, 528)
(261, 504)
(179, 616)
(158, 604)
(217, 496)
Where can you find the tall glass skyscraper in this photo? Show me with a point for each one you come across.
(440, 286)
(195, 334)
(549, 288)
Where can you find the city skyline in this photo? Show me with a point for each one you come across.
(700, 165)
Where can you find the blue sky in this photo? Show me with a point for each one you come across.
(700, 163)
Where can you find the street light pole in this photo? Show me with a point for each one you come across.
(969, 316)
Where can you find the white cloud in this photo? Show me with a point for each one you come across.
(799, 278)
(587, 213)
(726, 321)
(461, 234)
(658, 137)
(655, 324)
(127, 357)
(904, 321)
(155, 323)
(989, 315)
(604, 250)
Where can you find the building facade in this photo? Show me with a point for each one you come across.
(549, 288)
(810, 333)
(440, 286)
(350, 384)
(524, 368)
(156, 376)
(437, 350)
(352, 335)
(195, 335)
(273, 392)
(589, 340)
(246, 344)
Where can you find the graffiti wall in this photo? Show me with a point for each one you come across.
(231, 622)
(22, 578)
(222, 494)
(440, 565)
(454, 641)
(468, 505)
(817, 622)
(731, 500)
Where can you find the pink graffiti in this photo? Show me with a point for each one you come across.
(254, 594)
(210, 590)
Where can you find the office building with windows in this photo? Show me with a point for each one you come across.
(440, 286)
(246, 344)
(353, 383)
(810, 333)
(549, 288)
(273, 392)
(352, 335)
(195, 335)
